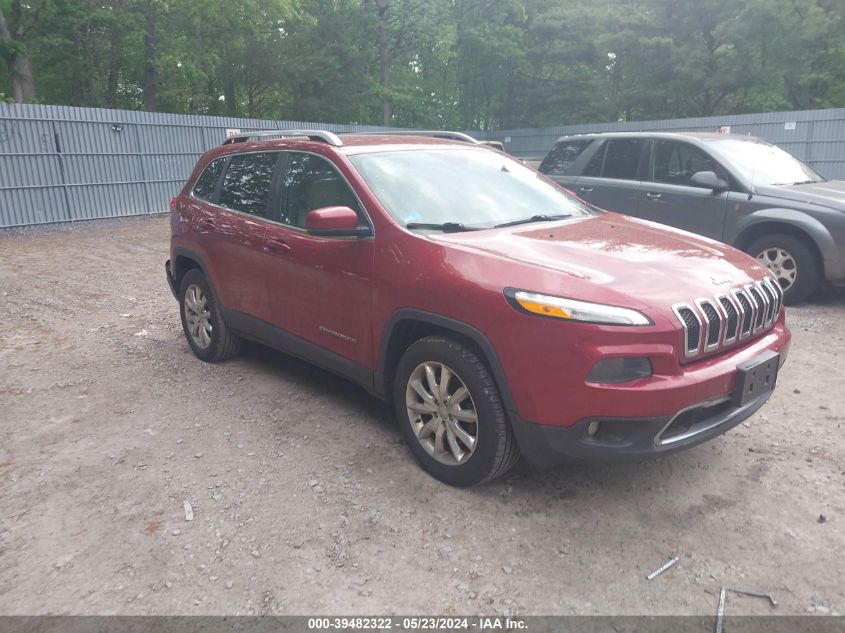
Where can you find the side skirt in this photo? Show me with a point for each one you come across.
(249, 327)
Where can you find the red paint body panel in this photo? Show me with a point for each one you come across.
(340, 293)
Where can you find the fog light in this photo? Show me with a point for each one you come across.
(593, 428)
(620, 369)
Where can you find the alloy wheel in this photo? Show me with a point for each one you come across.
(197, 316)
(782, 265)
(442, 414)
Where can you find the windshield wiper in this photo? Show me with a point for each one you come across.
(446, 227)
(540, 217)
(806, 182)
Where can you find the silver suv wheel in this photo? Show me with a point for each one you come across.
(782, 264)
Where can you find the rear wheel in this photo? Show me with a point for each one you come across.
(792, 261)
(202, 321)
(451, 413)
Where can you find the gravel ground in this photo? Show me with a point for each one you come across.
(305, 501)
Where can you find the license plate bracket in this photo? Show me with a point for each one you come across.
(756, 377)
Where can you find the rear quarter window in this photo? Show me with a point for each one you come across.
(206, 185)
(559, 160)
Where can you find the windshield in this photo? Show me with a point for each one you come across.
(764, 164)
(475, 188)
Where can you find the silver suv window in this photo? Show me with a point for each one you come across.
(763, 164)
(617, 158)
(675, 163)
(622, 158)
(563, 154)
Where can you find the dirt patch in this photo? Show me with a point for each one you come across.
(307, 502)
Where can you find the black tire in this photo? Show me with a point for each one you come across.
(223, 344)
(806, 265)
(496, 450)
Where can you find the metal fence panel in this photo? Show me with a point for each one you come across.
(59, 163)
(22, 207)
(18, 171)
(107, 201)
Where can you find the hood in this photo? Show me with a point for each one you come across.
(610, 258)
(827, 194)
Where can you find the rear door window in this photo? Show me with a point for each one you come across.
(675, 163)
(623, 158)
(593, 168)
(206, 185)
(559, 161)
(247, 183)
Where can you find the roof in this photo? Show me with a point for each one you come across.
(701, 136)
(330, 138)
(350, 143)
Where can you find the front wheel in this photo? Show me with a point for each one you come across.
(451, 413)
(791, 261)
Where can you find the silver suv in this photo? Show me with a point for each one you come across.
(736, 189)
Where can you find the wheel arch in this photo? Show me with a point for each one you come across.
(183, 261)
(790, 222)
(407, 326)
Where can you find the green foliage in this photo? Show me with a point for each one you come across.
(429, 63)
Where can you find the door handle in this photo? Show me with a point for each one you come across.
(653, 196)
(585, 189)
(273, 244)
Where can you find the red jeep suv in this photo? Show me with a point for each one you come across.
(498, 312)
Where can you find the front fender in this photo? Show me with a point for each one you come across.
(832, 257)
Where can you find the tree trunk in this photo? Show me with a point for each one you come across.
(23, 85)
(384, 63)
(150, 43)
(230, 93)
(116, 61)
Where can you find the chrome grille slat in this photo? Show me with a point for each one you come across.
(733, 318)
(770, 301)
(713, 324)
(747, 309)
(759, 306)
(692, 328)
(777, 292)
(709, 323)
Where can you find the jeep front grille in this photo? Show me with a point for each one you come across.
(709, 324)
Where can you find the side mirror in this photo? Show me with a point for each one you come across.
(708, 180)
(335, 222)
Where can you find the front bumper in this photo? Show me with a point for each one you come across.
(631, 439)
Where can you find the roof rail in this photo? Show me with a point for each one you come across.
(455, 136)
(315, 135)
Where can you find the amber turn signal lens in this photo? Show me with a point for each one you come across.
(544, 309)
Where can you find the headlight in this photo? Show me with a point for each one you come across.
(573, 310)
